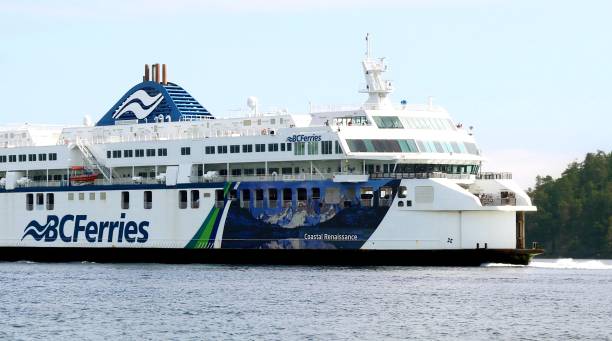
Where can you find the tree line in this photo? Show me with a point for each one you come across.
(574, 217)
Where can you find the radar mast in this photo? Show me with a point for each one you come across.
(377, 88)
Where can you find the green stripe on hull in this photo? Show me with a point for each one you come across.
(204, 234)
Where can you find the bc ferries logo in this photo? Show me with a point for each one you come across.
(71, 229)
(304, 138)
(139, 103)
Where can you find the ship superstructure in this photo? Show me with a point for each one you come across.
(158, 172)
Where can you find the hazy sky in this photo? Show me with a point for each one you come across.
(533, 77)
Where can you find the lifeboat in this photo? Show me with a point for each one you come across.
(80, 175)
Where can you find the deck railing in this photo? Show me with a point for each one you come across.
(494, 176)
(273, 177)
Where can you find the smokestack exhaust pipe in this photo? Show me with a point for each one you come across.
(145, 78)
(164, 79)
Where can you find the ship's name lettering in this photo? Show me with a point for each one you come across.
(325, 236)
(74, 228)
(304, 138)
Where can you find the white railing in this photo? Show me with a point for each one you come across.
(494, 176)
(487, 199)
(253, 178)
(323, 108)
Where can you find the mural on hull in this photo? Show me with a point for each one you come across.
(304, 215)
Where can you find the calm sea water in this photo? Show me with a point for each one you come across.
(550, 299)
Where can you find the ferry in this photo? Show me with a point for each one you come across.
(159, 178)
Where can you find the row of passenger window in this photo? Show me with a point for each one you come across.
(40, 201)
(288, 197)
(312, 148)
(448, 147)
(395, 122)
(193, 195)
(410, 146)
(28, 157)
(428, 123)
(248, 148)
(128, 153)
(382, 146)
(298, 148)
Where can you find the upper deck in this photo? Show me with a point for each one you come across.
(158, 125)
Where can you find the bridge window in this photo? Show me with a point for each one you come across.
(209, 149)
(31, 157)
(234, 148)
(42, 157)
(195, 199)
(139, 152)
(182, 196)
(2, 158)
(222, 149)
(116, 154)
(162, 152)
(388, 122)
(150, 152)
(272, 147)
(260, 147)
(148, 200)
(52, 156)
(382, 146)
(128, 153)
(108, 154)
(22, 158)
(125, 200)
(247, 148)
(29, 201)
(12, 158)
(185, 150)
(50, 201)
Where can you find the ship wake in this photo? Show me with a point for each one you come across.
(562, 263)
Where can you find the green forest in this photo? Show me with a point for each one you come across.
(574, 217)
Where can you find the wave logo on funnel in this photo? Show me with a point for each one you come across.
(139, 103)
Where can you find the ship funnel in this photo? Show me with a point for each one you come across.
(145, 78)
(154, 74)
